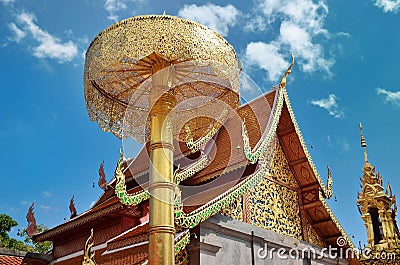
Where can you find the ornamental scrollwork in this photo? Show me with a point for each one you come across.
(181, 242)
(182, 258)
(195, 146)
(213, 207)
(189, 171)
(275, 207)
(280, 170)
(253, 155)
(271, 205)
(234, 209)
(313, 236)
(120, 187)
(88, 258)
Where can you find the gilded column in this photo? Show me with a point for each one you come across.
(161, 226)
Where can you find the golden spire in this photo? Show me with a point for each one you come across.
(282, 84)
(329, 190)
(363, 144)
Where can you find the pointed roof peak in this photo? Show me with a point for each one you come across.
(363, 144)
(282, 84)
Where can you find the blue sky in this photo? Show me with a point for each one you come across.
(346, 71)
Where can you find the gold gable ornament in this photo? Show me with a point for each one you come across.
(88, 258)
(282, 84)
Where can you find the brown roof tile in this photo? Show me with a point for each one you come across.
(15, 257)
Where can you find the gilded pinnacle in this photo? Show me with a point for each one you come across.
(282, 84)
(363, 144)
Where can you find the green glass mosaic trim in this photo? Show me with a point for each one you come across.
(120, 188)
(203, 213)
(254, 155)
(192, 169)
(182, 242)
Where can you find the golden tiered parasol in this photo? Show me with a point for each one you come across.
(154, 78)
(122, 59)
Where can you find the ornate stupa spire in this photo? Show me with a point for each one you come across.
(378, 211)
(369, 175)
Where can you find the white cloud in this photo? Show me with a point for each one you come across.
(45, 207)
(7, 1)
(47, 194)
(330, 104)
(49, 45)
(267, 57)
(335, 142)
(113, 6)
(219, 18)
(301, 23)
(255, 23)
(392, 97)
(388, 5)
(18, 33)
(25, 203)
(345, 144)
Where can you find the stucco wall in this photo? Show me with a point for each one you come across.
(223, 240)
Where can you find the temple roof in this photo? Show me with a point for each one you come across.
(16, 257)
(269, 114)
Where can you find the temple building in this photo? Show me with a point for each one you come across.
(378, 209)
(279, 201)
(245, 192)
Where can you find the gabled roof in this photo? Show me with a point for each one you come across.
(312, 187)
(15, 257)
(267, 115)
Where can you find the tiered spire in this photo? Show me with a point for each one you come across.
(368, 170)
(378, 209)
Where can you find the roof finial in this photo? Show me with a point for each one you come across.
(329, 190)
(72, 208)
(31, 230)
(363, 144)
(282, 84)
(102, 181)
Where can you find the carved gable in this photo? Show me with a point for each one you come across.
(274, 201)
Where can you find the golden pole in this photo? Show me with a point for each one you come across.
(161, 223)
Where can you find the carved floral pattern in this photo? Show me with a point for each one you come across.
(276, 208)
(234, 209)
(313, 236)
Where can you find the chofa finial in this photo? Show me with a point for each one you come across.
(282, 84)
(31, 230)
(102, 182)
(72, 208)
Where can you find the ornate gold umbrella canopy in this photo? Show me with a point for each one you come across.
(122, 60)
(152, 78)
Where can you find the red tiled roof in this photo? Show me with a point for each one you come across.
(256, 115)
(15, 257)
(137, 230)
